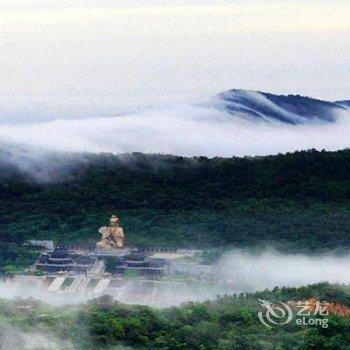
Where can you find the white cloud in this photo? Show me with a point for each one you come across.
(67, 59)
(268, 269)
(181, 129)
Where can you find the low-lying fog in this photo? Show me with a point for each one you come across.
(12, 338)
(186, 129)
(237, 271)
(254, 272)
(182, 129)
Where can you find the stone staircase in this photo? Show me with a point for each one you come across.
(56, 284)
(97, 268)
(101, 285)
(79, 284)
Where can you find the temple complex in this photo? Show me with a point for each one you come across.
(111, 246)
(105, 267)
(60, 260)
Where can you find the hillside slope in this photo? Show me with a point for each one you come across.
(300, 200)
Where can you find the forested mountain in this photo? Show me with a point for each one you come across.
(298, 200)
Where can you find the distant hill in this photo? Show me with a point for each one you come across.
(291, 109)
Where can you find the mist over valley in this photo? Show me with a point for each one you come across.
(234, 123)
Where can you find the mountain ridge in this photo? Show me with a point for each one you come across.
(343, 103)
(290, 109)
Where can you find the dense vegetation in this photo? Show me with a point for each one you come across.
(16, 258)
(228, 323)
(297, 200)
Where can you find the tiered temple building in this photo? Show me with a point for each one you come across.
(110, 246)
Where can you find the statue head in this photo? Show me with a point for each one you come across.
(114, 221)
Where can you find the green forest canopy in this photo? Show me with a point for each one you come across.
(228, 323)
(298, 200)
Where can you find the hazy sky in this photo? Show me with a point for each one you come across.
(94, 58)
